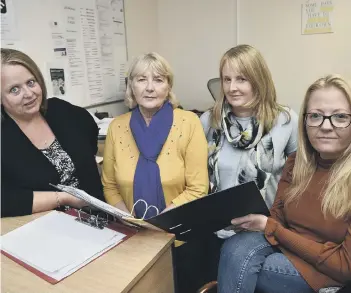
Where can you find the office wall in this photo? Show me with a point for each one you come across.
(141, 26)
(192, 36)
(274, 27)
(142, 36)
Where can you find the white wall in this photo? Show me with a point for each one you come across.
(141, 26)
(274, 27)
(193, 35)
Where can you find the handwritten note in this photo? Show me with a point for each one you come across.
(317, 17)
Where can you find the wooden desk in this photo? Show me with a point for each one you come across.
(142, 264)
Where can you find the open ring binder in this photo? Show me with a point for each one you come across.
(147, 207)
(190, 221)
(64, 230)
(91, 220)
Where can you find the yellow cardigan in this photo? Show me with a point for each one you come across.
(182, 161)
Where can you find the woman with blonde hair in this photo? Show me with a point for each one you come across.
(43, 141)
(157, 152)
(155, 155)
(305, 244)
(249, 134)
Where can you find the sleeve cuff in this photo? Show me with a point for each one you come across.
(270, 231)
(179, 200)
(113, 199)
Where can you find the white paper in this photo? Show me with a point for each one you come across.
(75, 51)
(98, 159)
(105, 25)
(59, 275)
(316, 17)
(88, 20)
(9, 30)
(81, 194)
(127, 218)
(103, 125)
(57, 245)
(58, 39)
(96, 48)
(118, 21)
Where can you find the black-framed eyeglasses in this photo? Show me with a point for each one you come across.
(337, 120)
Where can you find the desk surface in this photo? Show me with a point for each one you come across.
(116, 271)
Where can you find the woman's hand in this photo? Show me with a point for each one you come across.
(250, 222)
(122, 206)
(70, 200)
(171, 206)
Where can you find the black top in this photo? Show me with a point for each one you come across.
(25, 169)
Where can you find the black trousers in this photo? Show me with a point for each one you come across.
(196, 263)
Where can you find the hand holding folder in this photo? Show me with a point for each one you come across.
(251, 222)
(211, 213)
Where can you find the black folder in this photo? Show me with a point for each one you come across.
(211, 213)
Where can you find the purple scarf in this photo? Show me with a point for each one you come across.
(150, 140)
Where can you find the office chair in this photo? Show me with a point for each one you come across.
(214, 86)
(210, 287)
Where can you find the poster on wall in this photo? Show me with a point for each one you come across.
(57, 77)
(94, 50)
(58, 39)
(316, 17)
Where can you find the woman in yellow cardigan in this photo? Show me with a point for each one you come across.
(156, 152)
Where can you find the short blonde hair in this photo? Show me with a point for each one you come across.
(158, 65)
(248, 61)
(15, 57)
(337, 196)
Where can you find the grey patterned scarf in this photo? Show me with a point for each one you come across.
(257, 161)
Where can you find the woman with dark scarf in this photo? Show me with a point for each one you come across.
(155, 155)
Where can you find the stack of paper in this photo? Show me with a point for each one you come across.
(98, 159)
(57, 245)
(81, 194)
(103, 124)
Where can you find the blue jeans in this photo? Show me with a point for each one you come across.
(248, 264)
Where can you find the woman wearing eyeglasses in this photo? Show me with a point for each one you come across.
(305, 244)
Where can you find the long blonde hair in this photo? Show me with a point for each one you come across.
(337, 195)
(157, 64)
(249, 62)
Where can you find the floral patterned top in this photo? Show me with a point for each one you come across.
(62, 163)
